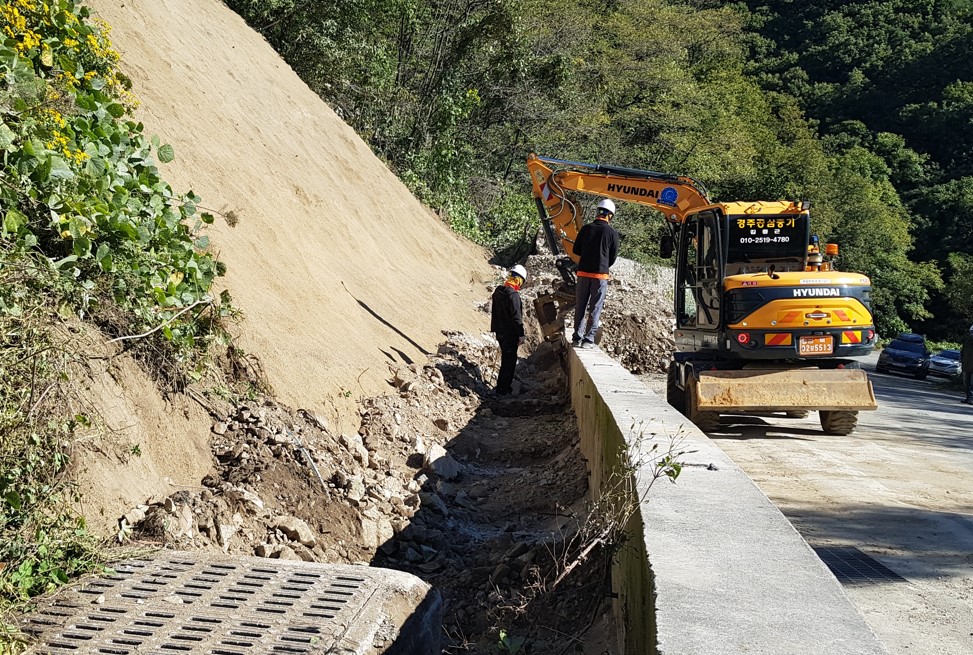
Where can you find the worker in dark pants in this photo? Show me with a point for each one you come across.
(507, 322)
(597, 247)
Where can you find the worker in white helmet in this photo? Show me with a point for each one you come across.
(597, 246)
(507, 322)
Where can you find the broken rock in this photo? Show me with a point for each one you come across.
(441, 463)
(296, 530)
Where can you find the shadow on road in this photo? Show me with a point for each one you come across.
(924, 544)
(744, 428)
(920, 410)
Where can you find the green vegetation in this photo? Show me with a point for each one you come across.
(863, 108)
(890, 78)
(91, 233)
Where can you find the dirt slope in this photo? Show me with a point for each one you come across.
(339, 271)
(337, 268)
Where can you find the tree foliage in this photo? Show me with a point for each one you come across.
(893, 77)
(756, 99)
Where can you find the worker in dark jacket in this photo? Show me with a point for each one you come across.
(597, 246)
(966, 362)
(507, 322)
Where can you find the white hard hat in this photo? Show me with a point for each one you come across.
(519, 271)
(607, 205)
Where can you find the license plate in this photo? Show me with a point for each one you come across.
(815, 346)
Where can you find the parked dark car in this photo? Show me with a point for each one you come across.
(907, 353)
(945, 362)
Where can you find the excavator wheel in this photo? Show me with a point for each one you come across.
(797, 413)
(838, 423)
(705, 421)
(674, 395)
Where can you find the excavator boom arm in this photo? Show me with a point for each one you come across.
(673, 195)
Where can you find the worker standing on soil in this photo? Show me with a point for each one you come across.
(507, 322)
(966, 362)
(597, 246)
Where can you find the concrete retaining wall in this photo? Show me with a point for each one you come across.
(711, 566)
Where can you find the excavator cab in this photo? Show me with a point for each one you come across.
(713, 245)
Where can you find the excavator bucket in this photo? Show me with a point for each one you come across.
(550, 309)
(751, 390)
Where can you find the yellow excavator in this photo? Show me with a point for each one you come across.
(763, 322)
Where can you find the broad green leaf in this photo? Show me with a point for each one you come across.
(13, 221)
(13, 499)
(166, 153)
(94, 167)
(7, 137)
(66, 260)
(59, 169)
(82, 247)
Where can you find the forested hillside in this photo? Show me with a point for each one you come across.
(862, 108)
(892, 78)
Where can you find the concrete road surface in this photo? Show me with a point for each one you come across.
(899, 489)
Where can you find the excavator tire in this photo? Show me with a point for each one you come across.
(705, 421)
(797, 413)
(674, 395)
(838, 423)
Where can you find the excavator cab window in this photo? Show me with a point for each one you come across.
(708, 269)
(699, 271)
(686, 289)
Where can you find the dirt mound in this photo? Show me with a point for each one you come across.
(338, 269)
(637, 321)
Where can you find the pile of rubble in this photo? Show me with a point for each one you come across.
(637, 321)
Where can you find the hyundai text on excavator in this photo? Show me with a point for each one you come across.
(763, 323)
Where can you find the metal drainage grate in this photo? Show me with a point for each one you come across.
(223, 607)
(851, 566)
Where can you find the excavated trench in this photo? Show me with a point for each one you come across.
(495, 532)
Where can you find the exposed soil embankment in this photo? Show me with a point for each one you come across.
(338, 269)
